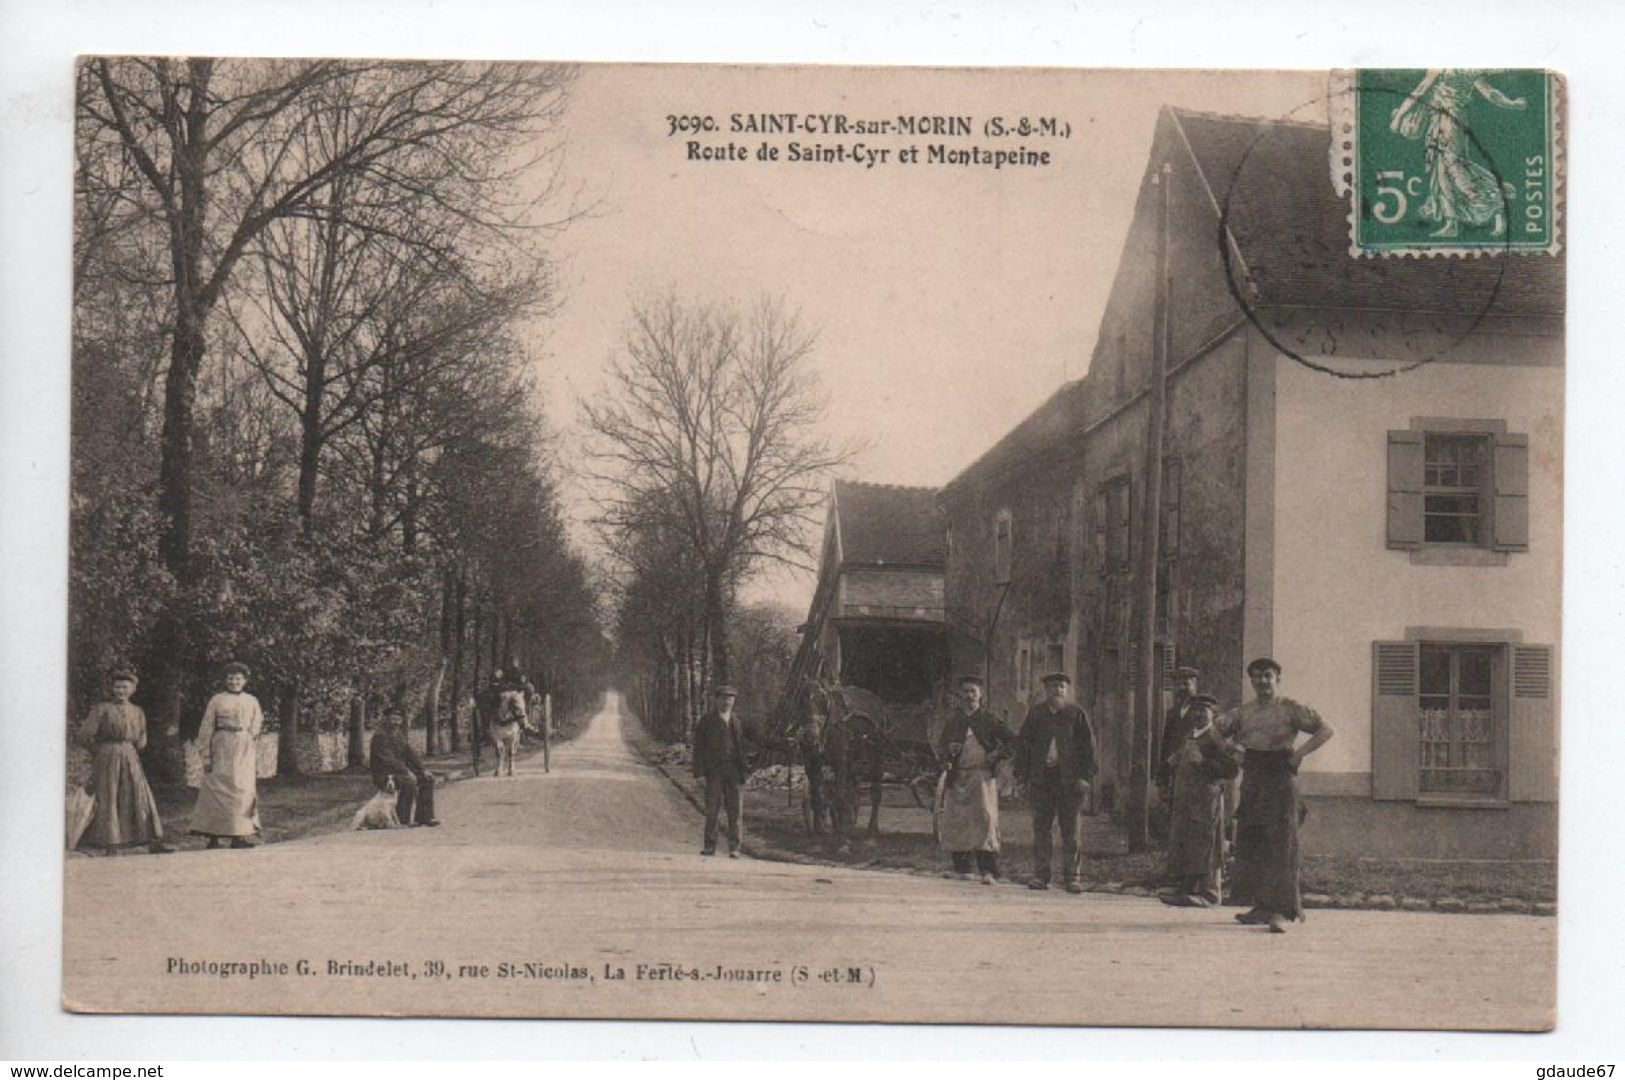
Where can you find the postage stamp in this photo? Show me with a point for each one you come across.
(1453, 161)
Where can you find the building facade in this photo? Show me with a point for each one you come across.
(1361, 476)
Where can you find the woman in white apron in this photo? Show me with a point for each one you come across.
(228, 744)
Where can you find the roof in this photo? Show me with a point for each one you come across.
(888, 525)
(1043, 429)
(1292, 231)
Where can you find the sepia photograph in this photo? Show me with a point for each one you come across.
(915, 545)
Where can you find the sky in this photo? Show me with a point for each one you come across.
(949, 302)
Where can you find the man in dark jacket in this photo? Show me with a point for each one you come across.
(1056, 760)
(1176, 728)
(392, 756)
(721, 760)
(487, 711)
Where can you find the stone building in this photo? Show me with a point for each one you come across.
(876, 618)
(1361, 478)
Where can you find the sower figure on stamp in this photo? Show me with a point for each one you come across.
(720, 759)
(1055, 758)
(972, 744)
(1203, 766)
(1270, 812)
(391, 755)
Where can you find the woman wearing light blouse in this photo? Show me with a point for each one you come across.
(227, 742)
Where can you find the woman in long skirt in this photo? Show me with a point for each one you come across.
(227, 742)
(126, 813)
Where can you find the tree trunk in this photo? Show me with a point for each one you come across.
(287, 743)
(716, 630)
(431, 722)
(167, 661)
(459, 620)
(356, 753)
(496, 640)
(310, 443)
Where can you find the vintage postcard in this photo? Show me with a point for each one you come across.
(1001, 546)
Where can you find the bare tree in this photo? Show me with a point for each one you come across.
(708, 430)
(205, 152)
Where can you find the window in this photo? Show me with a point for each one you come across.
(1463, 716)
(1456, 486)
(1097, 525)
(1024, 673)
(1120, 509)
(1454, 471)
(1172, 480)
(1458, 721)
(1002, 543)
(1110, 518)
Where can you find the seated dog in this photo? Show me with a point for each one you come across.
(378, 812)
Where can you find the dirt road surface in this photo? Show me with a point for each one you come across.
(582, 893)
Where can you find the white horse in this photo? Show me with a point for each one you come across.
(511, 720)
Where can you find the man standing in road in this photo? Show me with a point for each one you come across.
(972, 744)
(1270, 812)
(1203, 769)
(720, 760)
(1055, 758)
(487, 711)
(1176, 728)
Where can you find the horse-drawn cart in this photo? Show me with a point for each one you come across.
(847, 737)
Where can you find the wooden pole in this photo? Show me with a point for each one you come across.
(1145, 572)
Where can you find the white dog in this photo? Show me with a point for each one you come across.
(378, 812)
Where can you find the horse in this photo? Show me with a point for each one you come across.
(505, 729)
(847, 733)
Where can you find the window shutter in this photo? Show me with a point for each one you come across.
(1532, 745)
(1395, 745)
(1405, 489)
(1511, 492)
(1172, 480)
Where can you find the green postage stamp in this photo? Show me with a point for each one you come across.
(1452, 161)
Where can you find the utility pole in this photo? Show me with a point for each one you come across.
(1150, 557)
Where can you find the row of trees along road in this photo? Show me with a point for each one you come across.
(708, 464)
(304, 431)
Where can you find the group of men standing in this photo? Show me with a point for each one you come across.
(1200, 755)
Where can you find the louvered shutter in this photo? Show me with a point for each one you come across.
(1405, 489)
(1395, 746)
(1532, 741)
(1511, 492)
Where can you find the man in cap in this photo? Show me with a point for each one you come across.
(1270, 811)
(487, 712)
(1203, 764)
(972, 744)
(391, 755)
(1175, 727)
(720, 759)
(1055, 758)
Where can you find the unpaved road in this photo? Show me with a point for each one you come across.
(594, 870)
